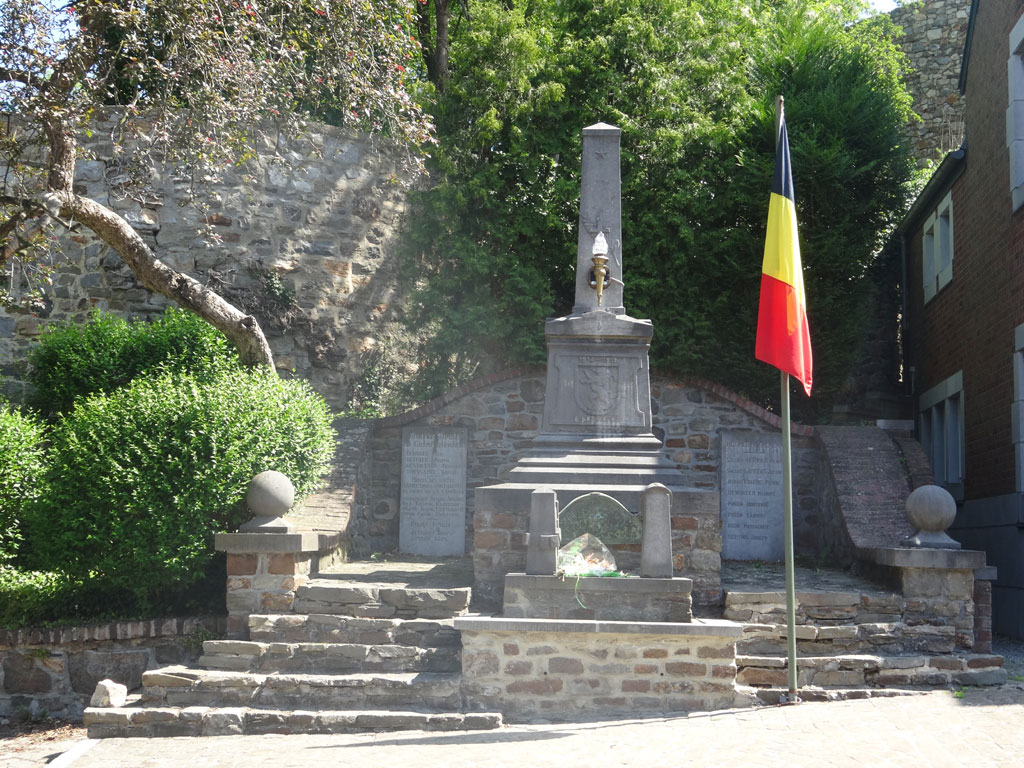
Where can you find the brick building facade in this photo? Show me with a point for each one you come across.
(963, 249)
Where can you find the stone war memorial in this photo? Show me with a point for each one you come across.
(586, 539)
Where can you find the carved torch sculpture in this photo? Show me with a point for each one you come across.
(600, 258)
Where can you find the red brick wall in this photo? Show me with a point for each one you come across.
(969, 325)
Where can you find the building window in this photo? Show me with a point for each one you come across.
(941, 431)
(1017, 407)
(937, 248)
(1015, 114)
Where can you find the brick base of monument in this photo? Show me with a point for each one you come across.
(566, 669)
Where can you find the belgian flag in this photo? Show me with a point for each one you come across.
(783, 336)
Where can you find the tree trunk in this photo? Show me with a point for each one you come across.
(241, 329)
(435, 46)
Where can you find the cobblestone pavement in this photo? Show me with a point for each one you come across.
(978, 728)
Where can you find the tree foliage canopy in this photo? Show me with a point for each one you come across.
(692, 85)
(198, 85)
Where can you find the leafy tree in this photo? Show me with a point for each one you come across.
(692, 85)
(198, 84)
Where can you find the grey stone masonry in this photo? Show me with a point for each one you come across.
(567, 669)
(656, 549)
(544, 534)
(380, 601)
(57, 670)
(127, 722)
(597, 597)
(600, 211)
(310, 253)
(934, 33)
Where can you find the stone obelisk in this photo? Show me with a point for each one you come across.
(596, 433)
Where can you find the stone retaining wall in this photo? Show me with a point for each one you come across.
(56, 670)
(311, 253)
(934, 33)
(558, 670)
(502, 414)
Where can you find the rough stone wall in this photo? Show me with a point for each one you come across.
(502, 414)
(310, 253)
(56, 670)
(934, 33)
(563, 675)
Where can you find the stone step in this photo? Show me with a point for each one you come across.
(327, 658)
(330, 628)
(775, 695)
(885, 638)
(813, 607)
(384, 601)
(121, 722)
(879, 671)
(180, 686)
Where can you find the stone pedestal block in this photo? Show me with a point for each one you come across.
(656, 555)
(265, 570)
(544, 536)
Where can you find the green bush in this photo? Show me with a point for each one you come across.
(107, 352)
(21, 464)
(34, 598)
(140, 479)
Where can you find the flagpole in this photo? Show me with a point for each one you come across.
(787, 504)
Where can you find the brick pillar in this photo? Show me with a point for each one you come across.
(266, 569)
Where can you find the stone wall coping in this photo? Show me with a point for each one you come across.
(476, 385)
(107, 631)
(911, 557)
(627, 585)
(697, 628)
(304, 541)
(988, 573)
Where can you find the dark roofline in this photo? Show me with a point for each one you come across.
(967, 47)
(949, 170)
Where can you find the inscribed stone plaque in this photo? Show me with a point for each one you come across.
(432, 511)
(600, 515)
(752, 525)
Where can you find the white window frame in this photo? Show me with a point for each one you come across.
(1015, 113)
(941, 432)
(937, 248)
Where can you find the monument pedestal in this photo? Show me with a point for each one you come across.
(596, 434)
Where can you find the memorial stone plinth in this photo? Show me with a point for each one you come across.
(432, 511)
(596, 433)
(752, 497)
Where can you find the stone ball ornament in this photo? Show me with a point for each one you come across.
(931, 510)
(269, 498)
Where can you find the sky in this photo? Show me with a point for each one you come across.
(883, 5)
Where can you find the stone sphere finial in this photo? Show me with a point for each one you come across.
(931, 510)
(270, 497)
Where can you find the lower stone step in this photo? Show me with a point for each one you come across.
(854, 670)
(333, 658)
(121, 722)
(330, 628)
(781, 695)
(384, 601)
(185, 687)
(879, 638)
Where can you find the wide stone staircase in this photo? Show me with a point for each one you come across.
(365, 650)
(853, 639)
